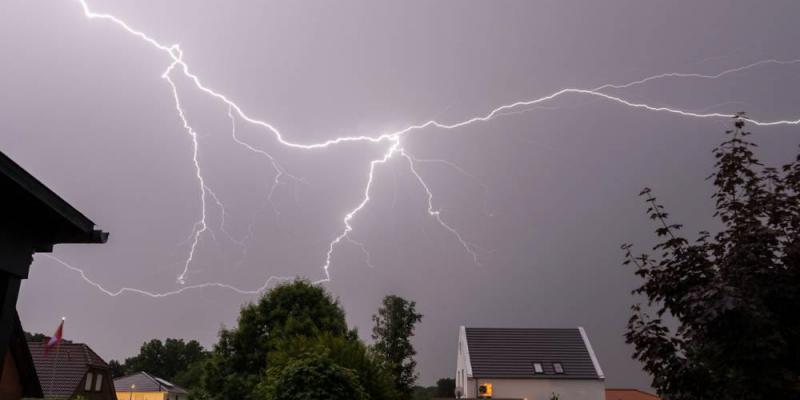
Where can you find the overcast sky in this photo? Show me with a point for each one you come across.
(544, 196)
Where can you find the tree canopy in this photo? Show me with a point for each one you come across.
(721, 321)
(394, 327)
(313, 376)
(291, 310)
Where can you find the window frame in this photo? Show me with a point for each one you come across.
(538, 368)
(558, 368)
(98, 382)
(88, 379)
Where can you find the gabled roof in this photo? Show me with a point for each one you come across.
(511, 353)
(61, 371)
(39, 207)
(146, 383)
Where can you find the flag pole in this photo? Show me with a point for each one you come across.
(55, 359)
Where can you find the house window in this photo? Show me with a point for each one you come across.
(537, 368)
(558, 368)
(98, 383)
(87, 386)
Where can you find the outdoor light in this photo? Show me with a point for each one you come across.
(485, 391)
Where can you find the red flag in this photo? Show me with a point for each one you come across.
(55, 340)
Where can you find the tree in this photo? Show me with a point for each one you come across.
(345, 351)
(166, 359)
(732, 299)
(394, 327)
(117, 369)
(311, 377)
(446, 388)
(239, 360)
(36, 337)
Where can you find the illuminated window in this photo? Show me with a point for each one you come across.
(558, 368)
(537, 368)
(98, 382)
(87, 386)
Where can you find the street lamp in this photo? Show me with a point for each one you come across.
(133, 386)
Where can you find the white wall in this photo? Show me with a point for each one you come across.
(541, 389)
(463, 369)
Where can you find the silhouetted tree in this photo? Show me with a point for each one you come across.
(446, 388)
(117, 369)
(394, 327)
(731, 300)
(239, 360)
(36, 337)
(166, 359)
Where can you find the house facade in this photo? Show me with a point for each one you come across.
(529, 364)
(32, 220)
(72, 370)
(143, 386)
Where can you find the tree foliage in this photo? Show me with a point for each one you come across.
(346, 351)
(394, 327)
(239, 359)
(168, 360)
(313, 376)
(721, 321)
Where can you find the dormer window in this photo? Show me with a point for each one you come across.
(558, 368)
(537, 368)
(87, 386)
(98, 383)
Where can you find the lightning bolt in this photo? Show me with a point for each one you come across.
(392, 141)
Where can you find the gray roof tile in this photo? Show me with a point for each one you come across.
(511, 352)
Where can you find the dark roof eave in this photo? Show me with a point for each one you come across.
(86, 232)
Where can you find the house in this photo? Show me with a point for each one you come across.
(531, 364)
(143, 386)
(629, 394)
(32, 219)
(72, 370)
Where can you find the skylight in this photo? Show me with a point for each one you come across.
(558, 368)
(537, 368)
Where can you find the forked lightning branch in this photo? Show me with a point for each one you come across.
(175, 65)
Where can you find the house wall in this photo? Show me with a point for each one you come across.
(463, 370)
(123, 395)
(10, 386)
(541, 389)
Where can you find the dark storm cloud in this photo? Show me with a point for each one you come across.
(548, 196)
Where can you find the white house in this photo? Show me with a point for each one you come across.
(529, 364)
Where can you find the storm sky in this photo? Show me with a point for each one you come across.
(544, 195)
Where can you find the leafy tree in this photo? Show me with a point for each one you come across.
(239, 360)
(423, 392)
(166, 359)
(36, 337)
(446, 388)
(311, 377)
(117, 369)
(731, 300)
(394, 327)
(348, 352)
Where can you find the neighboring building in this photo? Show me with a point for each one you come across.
(629, 394)
(73, 369)
(531, 364)
(143, 386)
(32, 220)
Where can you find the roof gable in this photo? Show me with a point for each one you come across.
(144, 382)
(62, 370)
(512, 352)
